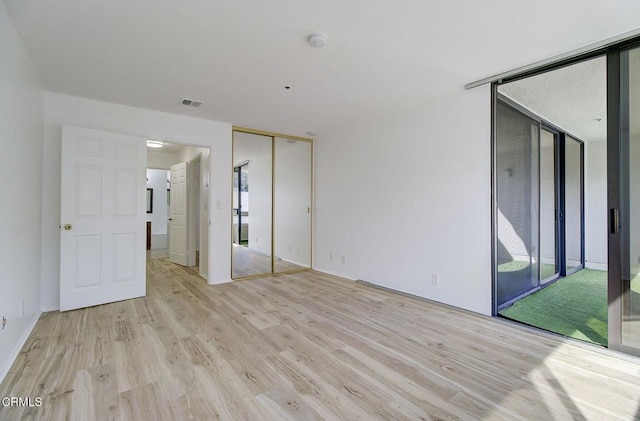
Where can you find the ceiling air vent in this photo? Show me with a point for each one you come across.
(191, 102)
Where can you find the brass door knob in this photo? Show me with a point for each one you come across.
(67, 227)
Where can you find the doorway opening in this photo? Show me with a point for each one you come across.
(178, 224)
(550, 172)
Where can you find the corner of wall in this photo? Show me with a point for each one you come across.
(8, 362)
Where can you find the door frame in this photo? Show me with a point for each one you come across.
(193, 207)
(617, 181)
(206, 198)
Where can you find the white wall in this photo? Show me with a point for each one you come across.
(408, 196)
(63, 109)
(161, 160)
(595, 199)
(21, 170)
(157, 180)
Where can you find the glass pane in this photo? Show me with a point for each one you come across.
(517, 196)
(630, 113)
(292, 231)
(251, 235)
(573, 203)
(548, 205)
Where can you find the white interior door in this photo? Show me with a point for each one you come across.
(102, 240)
(178, 217)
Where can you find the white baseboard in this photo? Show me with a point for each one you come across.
(16, 350)
(48, 309)
(228, 281)
(328, 272)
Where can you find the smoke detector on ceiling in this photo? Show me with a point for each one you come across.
(191, 102)
(317, 40)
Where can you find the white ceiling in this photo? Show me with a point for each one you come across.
(573, 98)
(237, 56)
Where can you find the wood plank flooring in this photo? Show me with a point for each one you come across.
(304, 347)
(248, 262)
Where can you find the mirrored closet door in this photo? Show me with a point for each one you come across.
(271, 216)
(252, 205)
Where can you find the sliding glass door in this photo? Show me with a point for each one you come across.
(539, 214)
(538, 196)
(549, 268)
(624, 236)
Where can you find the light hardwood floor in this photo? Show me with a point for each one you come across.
(304, 347)
(248, 262)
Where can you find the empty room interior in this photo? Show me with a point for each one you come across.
(320, 210)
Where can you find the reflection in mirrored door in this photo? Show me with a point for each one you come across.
(548, 205)
(272, 198)
(241, 204)
(517, 196)
(630, 226)
(292, 206)
(252, 205)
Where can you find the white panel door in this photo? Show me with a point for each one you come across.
(178, 252)
(103, 229)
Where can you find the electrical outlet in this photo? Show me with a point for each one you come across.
(344, 260)
(330, 257)
(22, 309)
(435, 279)
(4, 322)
